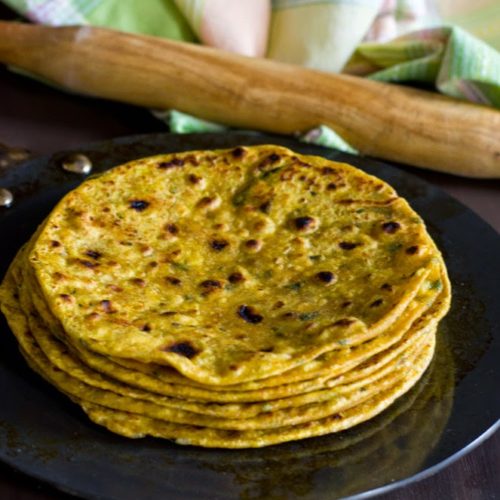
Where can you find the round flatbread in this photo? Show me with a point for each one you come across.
(230, 266)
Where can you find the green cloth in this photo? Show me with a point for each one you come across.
(483, 21)
(163, 18)
(455, 62)
(149, 17)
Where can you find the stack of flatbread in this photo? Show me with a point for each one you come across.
(235, 298)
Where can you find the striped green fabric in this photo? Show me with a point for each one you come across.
(285, 4)
(187, 124)
(482, 22)
(151, 17)
(455, 62)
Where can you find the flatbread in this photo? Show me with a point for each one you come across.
(186, 259)
(333, 363)
(48, 351)
(136, 426)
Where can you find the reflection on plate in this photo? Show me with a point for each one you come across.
(389, 447)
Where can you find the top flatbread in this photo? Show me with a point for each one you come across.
(230, 266)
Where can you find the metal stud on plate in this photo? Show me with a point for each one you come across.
(6, 198)
(12, 156)
(77, 163)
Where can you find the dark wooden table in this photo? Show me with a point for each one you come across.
(44, 120)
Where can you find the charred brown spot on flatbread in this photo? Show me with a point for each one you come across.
(185, 349)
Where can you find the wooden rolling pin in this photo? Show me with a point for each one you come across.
(383, 120)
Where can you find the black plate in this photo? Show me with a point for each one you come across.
(46, 436)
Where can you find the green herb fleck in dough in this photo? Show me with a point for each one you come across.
(394, 247)
(294, 286)
(270, 172)
(435, 285)
(180, 265)
(308, 316)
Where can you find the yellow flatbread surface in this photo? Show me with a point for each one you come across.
(230, 269)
